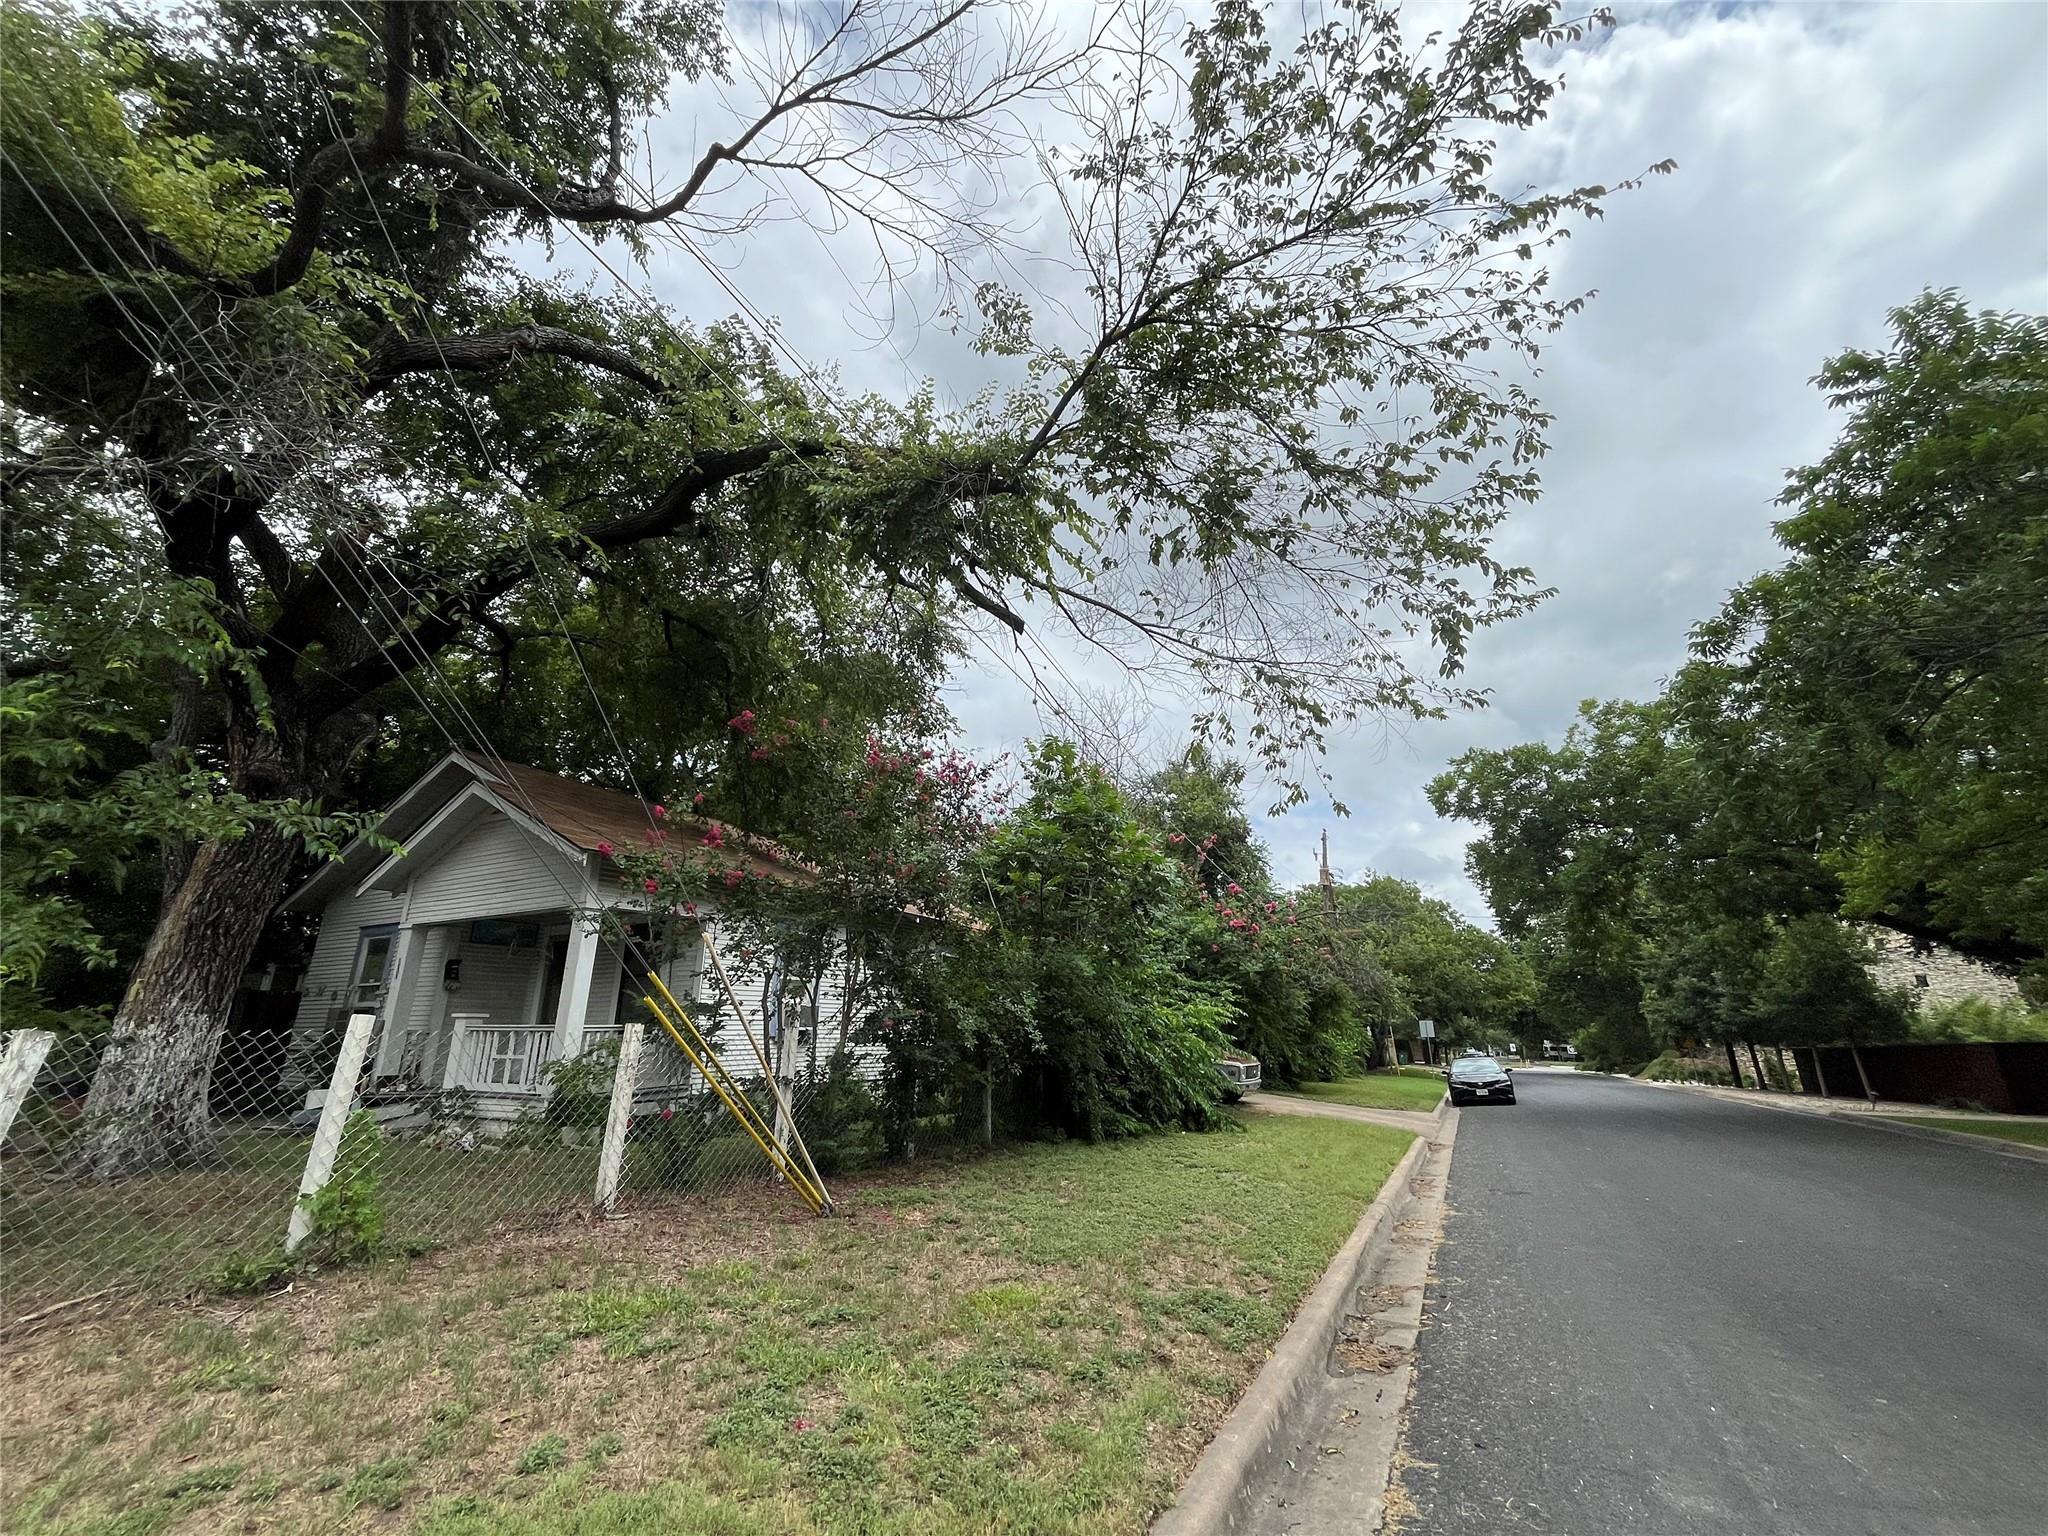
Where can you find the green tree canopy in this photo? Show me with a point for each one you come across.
(1859, 735)
(266, 310)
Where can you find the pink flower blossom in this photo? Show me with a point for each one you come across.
(1236, 889)
(605, 850)
(660, 812)
(743, 722)
(652, 885)
(759, 754)
(668, 1112)
(735, 876)
(698, 798)
(714, 836)
(800, 1424)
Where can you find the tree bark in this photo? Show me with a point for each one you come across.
(148, 1107)
(1757, 1062)
(1734, 1066)
(181, 734)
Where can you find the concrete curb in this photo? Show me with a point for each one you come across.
(1897, 1126)
(1219, 1493)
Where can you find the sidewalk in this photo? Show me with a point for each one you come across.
(1838, 1105)
(1881, 1116)
(1421, 1122)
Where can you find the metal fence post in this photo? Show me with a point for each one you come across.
(612, 1156)
(341, 1097)
(19, 1064)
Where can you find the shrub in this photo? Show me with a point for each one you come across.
(693, 1142)
(580, 1087)
(348, 1211)
(840, 1118)
(1978, 1018)
(1674, 1068)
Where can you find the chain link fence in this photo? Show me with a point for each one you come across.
(308, 1160)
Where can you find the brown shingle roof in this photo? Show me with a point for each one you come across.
(586, 816)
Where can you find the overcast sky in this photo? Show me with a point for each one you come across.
(1833, 161)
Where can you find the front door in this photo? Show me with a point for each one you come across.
(553, 966)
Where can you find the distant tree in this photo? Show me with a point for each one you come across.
(1103, 1031)
(1893, 673)
(1815, 987)
(1860, 735)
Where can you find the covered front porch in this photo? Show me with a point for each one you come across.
(484, 1005)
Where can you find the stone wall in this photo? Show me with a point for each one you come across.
(1931, 974)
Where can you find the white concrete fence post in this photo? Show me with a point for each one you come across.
(19, 1064)
(785, 1078)
(611, 1157)
(341, 1097)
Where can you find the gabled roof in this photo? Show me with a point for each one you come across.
(580, 815)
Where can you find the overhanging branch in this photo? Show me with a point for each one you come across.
(495, 349)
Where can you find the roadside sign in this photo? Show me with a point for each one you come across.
(1425, 1029)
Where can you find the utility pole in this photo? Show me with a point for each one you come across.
(1328, 882)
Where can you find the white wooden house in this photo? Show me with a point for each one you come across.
(477, 947)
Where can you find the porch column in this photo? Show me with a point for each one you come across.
(578, 967)
(408, 956)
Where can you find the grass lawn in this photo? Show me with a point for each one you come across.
(2033, 1133)
(1039, 1341)
(1410, 1088)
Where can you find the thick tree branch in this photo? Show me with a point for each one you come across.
(495, 349)
(359, 155)
(1998, 951)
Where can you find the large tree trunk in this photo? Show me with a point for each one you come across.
(148, 1104)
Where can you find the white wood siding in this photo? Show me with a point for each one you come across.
(497, 869)
(325, 986)
(496, 979)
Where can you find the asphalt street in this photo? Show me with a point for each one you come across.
(1657, 1313)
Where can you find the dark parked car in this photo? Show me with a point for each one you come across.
(1474, 1078)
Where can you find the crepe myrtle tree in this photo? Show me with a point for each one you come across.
(873, 872)
(262, 308)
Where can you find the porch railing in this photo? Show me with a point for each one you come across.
(498, 1058)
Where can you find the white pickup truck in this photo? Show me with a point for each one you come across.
(1240, 1075)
